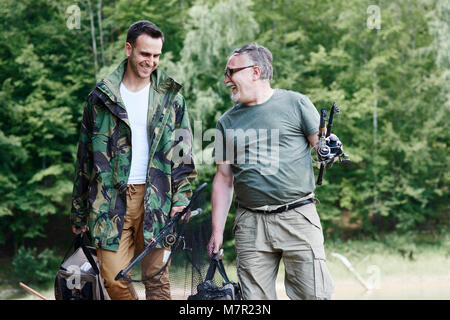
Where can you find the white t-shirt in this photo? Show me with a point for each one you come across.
(136, 104)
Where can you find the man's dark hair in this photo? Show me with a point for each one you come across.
(141, 27)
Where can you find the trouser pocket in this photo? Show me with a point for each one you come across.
(323, 282)
(239, 215)
(307, 276)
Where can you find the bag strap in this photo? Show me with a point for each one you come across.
(88, 255)
(79, 239)
(91, 260)
(216, 263)
(222, 272)
(77, 242)
(74, 243)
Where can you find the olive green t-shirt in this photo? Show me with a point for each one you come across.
(268, 149)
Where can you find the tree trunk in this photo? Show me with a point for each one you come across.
(94, 42)
(100, 29)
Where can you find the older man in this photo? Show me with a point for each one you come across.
(262, 151)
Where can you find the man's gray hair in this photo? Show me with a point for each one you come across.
(260, 56)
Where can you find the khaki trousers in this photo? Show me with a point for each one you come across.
(132, 241)
(262, 240)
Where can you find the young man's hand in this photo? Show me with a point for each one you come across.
(77, 230)
(185, 217)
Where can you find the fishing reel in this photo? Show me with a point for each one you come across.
(170, 239)
(329, 146)
(175, 238)
(329, 150)
(175, 241)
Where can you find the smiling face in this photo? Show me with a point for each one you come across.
(241, 82)
(143, 57)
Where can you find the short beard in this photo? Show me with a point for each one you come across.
(235, 97)
(134, 67)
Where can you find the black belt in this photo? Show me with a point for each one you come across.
(283, 208)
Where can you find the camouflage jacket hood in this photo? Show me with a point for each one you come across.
(104, 159)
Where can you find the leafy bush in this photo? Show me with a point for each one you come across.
(32, 267)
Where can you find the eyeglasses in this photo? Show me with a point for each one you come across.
(229, 72)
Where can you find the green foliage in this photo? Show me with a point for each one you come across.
(214, 31)
(382, 80)
(392, 85)
(29, 266)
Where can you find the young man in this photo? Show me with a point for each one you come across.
(130, 176)
(262, 150)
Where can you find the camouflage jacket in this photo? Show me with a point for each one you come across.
(104, 159)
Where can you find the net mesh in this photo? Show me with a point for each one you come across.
(189, 261)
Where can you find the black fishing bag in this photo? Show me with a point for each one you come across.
(209, 290)
(78, 277)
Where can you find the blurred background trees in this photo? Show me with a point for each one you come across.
(386, 64)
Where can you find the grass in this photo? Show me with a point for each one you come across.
(406, 267)
(398, 267)
(393, 254)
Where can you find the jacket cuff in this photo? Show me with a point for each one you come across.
(78, 219)
(180, 199)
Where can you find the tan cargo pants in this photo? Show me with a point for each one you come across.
(111, 263)
(262, 240)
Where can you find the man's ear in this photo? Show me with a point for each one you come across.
(128, 49)
(256, 73)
